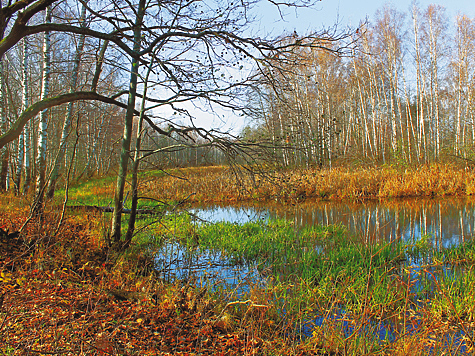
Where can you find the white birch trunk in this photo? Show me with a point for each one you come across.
(4, 152)
(422, 143)
(27, 168)
(69, 115)
(43, 125)
(434, 85)
(21, 142)
(363, 96)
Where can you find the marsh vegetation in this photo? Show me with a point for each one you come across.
(321, 284)
(355, 173)
(312, 286)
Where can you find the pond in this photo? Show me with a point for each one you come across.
(450, 221)
(445, 222)
(442, 222)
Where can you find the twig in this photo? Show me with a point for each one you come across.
(240, 303)
(66, 189)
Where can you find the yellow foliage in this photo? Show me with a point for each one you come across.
(5, 277)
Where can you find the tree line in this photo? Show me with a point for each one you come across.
(405, 95)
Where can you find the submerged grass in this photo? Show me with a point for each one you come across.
(339, 296)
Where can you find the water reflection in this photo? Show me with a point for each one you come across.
(204, 267)
(450, 221)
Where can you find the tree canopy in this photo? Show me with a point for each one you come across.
(184, 56)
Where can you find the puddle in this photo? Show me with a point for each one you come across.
(206, 268)
(450, 221)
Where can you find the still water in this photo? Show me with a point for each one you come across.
(449, 221)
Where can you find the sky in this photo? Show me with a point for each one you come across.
(327, 13)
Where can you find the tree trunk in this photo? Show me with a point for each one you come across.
(135, 168)
(27, 168)
(21, 142)
(4, 152)
(42, 134)
(125, 150)
(421, 140)
(69, 115)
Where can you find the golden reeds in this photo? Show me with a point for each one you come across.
(220, 184)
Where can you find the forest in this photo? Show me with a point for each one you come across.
(327, 210)
(402, 94)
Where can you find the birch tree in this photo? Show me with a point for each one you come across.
(420, 87)
(21, 141)
(4, 153)
(204, 55)
(390, 32)
(434, 28)
(69, 114)
(43, 125)
(463, 76)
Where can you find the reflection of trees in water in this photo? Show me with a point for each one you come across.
(449, 220)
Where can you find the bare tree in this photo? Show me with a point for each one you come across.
(21, 142)
(203, 54)
(124, 154)
(462, 76)
(69, 115)
(434, 29)
(4, 153)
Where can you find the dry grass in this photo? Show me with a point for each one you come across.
(76, 262)
(220, 184)
(59, 295)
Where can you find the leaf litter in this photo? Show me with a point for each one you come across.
(65, 294)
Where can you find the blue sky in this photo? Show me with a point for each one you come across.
(347, 12)
(326, 13)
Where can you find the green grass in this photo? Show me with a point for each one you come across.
(97, 191)
(323, 272)
(100, 191)
(462, 254)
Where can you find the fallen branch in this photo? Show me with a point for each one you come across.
(250, 302)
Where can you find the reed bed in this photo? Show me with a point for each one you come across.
(325, 289)
(225, 184)
(220, 184)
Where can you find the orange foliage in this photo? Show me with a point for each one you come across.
(57, 297)
(220, 184)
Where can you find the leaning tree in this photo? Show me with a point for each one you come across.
(179, 56)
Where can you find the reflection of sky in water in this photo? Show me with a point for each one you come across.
(230, 214)
(448, 221)
(205, 268)
(390, 328)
